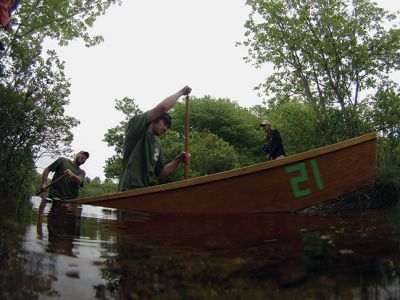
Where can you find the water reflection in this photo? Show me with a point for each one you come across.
(63, 251)
(296, 253)
(89, 253)
(63, 226)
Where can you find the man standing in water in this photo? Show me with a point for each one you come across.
(68, 177)
(143, 161)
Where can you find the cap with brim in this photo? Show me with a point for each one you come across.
(265, 122)
(84, 152)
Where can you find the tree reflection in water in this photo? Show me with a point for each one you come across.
(255, 257)
(67, 254)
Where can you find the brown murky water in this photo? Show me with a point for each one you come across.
(85, 252)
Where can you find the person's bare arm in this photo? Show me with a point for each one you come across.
(166, 104)
(44, 179)
(77, 179)
(170, 167)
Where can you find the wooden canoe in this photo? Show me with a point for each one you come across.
(292, 183)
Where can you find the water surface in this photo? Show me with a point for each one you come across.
(86, 252)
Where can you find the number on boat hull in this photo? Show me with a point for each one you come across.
(303, 177)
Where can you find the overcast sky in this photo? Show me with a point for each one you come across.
(151, 50)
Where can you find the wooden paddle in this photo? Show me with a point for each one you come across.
(186, 167)
(51, 183)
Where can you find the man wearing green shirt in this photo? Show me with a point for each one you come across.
(67, 179)
(143, 162)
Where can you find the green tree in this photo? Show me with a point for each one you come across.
(95, 188)
(36, 20)
(387, 111)
(296, 122)
(29, 125)
(209, 153)
(225, 118)
(114, 137)
(96, 180)
(335, 55)
(386, 115)
(33, 87)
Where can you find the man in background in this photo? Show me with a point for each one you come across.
(273, 147)
(68, 177)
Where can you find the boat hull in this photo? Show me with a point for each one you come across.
(283, 185)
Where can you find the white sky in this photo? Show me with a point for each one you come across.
(151, 50)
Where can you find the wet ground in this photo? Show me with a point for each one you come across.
(69, 252)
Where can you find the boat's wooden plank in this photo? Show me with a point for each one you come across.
(288, 184)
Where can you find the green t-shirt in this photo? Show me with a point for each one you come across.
(65, 188)
(142, 161)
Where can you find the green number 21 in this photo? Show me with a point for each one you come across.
(303, 177)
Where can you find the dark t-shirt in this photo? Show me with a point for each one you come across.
(142, 161)
(65, 188)
(274, 144)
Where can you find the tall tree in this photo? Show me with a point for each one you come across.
(114, 137)
(296, 123)
(226, 119)
(333, 54)
(33, 88)
(210, 153)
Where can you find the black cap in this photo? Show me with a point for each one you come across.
(84, 152)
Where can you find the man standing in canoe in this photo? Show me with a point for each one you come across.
(143, 162)
(67, 179)
(273, 147)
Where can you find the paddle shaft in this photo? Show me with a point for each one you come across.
(186, 167)
(53, 182)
